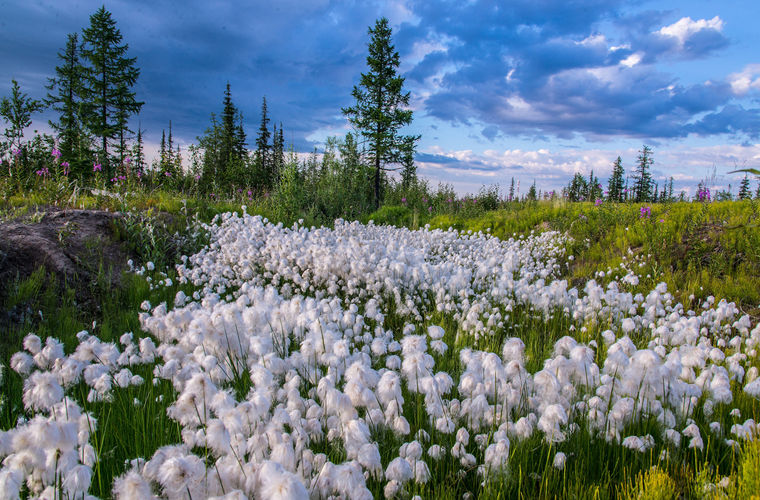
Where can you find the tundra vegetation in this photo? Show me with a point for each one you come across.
(277, 335)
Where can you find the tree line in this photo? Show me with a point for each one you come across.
(93, 95)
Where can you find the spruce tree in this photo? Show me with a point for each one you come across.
(615, 185)
(263, 147)
(278, 153)
(642, 188)
(512, 190)
(109, 79)
(231, 142)
(138, 153)
(379, 110)
(744, 191)
(65, 97)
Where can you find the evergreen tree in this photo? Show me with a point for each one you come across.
(512, 190)
(670, 189)
(138, 153)
(17, 112)
(744, 191)
(108, 82)
(379, 110)
(263, 147)
(642, 188)
(162, 156)
(65, 97)
(532, 195)
(231, 153)
(615, 185)
(409, 170)
(576, 190)
(278, 153)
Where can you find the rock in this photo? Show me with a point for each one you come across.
(73, 245)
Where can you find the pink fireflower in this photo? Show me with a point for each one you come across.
(97, 167)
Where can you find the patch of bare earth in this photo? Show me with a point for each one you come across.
(75, 246)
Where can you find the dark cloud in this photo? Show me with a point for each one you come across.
(521, 72)
(531, 68)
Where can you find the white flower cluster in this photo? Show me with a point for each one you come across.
(51, 453)
(301, 319)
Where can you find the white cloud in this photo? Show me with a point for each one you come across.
(745, 80)
(631, 60)
(686, 27)
(552, 170)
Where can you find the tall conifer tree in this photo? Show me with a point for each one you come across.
(642, 188)
(380, 111)
(65, 97)
(615, 185)
(110, 77)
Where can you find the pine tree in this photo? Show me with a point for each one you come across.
(162, 156)
(263, 147)
(642, 188)
(108, 82)
(225, 145)
(512, 190)
(670, 189)
(744, 191)
(532, 194)
(138, 153)
(65, 97)
(379, 110)
(577, 188)
(615, 185)
(278, 153)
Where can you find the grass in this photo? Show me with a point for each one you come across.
(697, 249)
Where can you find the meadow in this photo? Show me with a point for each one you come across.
(538, 349)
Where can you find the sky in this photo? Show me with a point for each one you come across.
(534, 90)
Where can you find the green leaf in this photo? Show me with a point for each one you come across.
(746, 170)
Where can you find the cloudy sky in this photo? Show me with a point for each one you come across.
(530, 89)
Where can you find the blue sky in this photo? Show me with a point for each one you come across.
(530, 89)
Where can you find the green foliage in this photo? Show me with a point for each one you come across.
(17, 111)
(392, 216)
(109, 78)
(65, 96)
(379, 110)
(616, 182)
(642, 188)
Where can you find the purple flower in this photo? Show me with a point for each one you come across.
(645, 211)
(55, 153)
(16, 152)
(65, 166)
(168, 174)
(598, 202)
(127, 160)
(250, 193)
(97, 167)
(43, 172)
(430, 209)
(403, 200)
(197, 177)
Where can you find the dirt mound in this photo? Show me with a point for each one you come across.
(74, 245)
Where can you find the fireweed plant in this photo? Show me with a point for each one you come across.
(365, 361)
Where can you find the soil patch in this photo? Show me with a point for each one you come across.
(75, 246)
